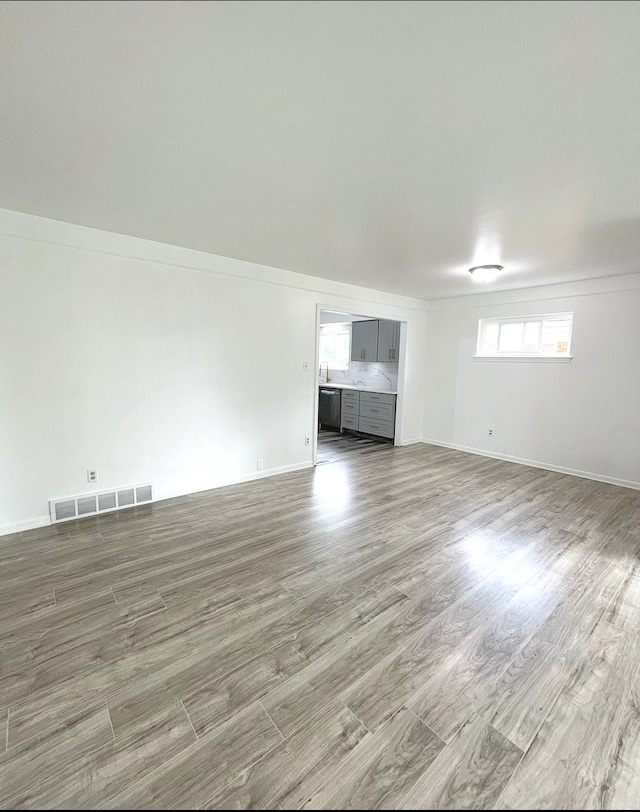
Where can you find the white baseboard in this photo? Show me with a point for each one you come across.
(26, 524)
(284, 469)
(412, 441)
(45, 521)
(560, 469)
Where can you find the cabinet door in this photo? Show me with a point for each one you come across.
(357, 340)
(386, 340)
(364, 341)
(396, 340)
(370, 334)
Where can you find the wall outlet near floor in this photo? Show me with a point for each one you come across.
(92, 475)
(260, 465)
(490, 432)
(307, 440)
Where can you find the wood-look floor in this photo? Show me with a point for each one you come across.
(414, 628)
(333, 446)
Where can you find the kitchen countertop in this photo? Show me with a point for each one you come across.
(358, 387)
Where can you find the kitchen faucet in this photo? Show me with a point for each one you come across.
(320, 373)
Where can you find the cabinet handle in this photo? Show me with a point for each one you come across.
(364, 354)
(390, 351)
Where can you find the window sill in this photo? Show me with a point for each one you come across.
(565, 359)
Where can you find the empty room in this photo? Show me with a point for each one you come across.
(319, 405)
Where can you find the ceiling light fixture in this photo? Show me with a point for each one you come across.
(485, 273)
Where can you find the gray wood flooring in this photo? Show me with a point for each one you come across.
(410, 628)
(333, 446)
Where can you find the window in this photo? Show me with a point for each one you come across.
(334, 345)
(547, 336)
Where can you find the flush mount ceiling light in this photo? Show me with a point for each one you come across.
(485, 273)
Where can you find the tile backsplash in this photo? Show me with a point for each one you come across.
(365, 373)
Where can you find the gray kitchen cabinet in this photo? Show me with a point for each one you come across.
(388, 341)
(350, 409)
(381, 428)
(364, 340)
(377, 411)
(369, 412)
(377, 414)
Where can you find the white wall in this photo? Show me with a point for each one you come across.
(581, 417)
(156, 363)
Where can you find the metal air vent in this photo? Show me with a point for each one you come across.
(91, 504)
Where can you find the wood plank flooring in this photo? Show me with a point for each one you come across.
(333, 446)
(410, 628)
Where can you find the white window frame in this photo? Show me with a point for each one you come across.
(540, 318)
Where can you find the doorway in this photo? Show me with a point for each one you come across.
(358, 404)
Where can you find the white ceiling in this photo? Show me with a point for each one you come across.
(391, 145)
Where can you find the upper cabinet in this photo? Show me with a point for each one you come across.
(364, 341)
(388, 341)
(374, 340)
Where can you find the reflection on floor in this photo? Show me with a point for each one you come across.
(333, 446)
(408, 628)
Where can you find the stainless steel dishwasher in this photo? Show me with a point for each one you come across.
(329, 408)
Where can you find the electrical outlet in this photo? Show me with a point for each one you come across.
(260, 465)
(490, 432)
(307, 440)
(92, 475)
(305, 366)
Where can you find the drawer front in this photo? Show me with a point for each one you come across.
(382, 428)
(349, 407)
(349, 422)
(377, 397)
(350, 395)
(377, 411)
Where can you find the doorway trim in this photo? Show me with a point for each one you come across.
(401, 373)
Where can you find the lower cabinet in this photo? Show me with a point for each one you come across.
(369, 412)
